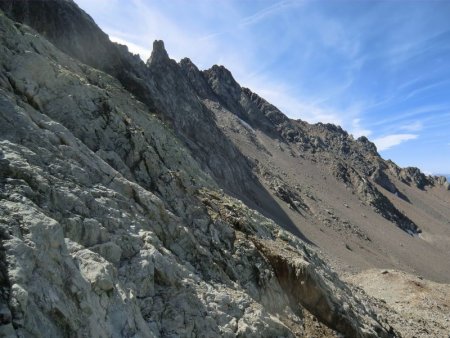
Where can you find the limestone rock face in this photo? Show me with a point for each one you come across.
(109, 227)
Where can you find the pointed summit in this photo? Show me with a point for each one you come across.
(188, 66)
(197, 79)
(224, 85)
(159, 53)
(223, 74)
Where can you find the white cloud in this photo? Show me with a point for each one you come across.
(151, 23)
(357, 130)
(282, 97)
(426, 88)
(133, 48)
(413, 126)
(389, 141)
(413, 113)
(268, 11)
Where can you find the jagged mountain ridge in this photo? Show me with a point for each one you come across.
(195, 105)
(263, 133)
(262, 115)
(254, 125)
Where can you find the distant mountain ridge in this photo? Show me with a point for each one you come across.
(447, 176)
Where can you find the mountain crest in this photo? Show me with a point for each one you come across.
(222, 74)
(159, 53)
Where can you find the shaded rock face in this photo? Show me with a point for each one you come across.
(383, 180)
(75, 33)
(159, 54)
(414, 176)
(66, 26)
(109, 226)
(299, 281)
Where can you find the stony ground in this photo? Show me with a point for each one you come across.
(415, 306)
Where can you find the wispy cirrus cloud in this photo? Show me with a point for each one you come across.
(269, 11)
(389, 141)
(280, 95)
(426, 88)
(412, 126)
(409, 115)
(357, 130)
(143, 52)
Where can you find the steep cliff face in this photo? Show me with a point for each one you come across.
(76, 34)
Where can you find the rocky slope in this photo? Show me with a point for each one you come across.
(422, 305)
(152, 199)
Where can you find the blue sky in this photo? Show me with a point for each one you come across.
(377, 68)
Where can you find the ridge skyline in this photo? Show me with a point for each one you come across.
(407, 120)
